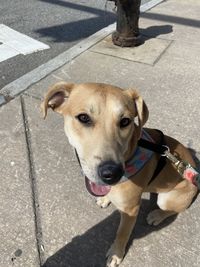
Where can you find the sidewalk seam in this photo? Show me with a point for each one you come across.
(32, 96)
(125, 59)
(33, 184)
(163, 52)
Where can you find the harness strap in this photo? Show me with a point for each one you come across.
(159, 148)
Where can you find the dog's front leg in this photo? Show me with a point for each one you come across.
(117, 250)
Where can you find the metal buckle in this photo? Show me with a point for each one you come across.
(167, 150)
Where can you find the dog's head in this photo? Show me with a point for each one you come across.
(102, 122)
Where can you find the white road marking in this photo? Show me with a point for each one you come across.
(15, 43)
(7, 52)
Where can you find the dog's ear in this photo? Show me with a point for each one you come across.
(56, 96)
(141, 108)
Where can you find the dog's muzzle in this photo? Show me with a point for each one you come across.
(110, 172)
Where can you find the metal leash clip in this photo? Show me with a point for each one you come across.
(184, 168)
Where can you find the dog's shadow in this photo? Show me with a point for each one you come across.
(89, 249)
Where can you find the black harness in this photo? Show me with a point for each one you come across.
(158, 148)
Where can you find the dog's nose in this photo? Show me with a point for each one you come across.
(110, 172)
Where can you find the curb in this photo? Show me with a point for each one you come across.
(2, 100)
(21, 84)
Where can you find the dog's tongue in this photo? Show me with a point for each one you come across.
(95, 189)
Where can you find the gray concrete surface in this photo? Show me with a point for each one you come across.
(18, 244)
(148, 53)
(71, 230)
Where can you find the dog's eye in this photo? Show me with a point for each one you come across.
(124, 122)
(84, 118)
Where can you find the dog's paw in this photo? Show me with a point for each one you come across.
(103, 202)
(114, 257)
(113, 261)
(155, 217)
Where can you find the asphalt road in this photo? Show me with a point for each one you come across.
(57, 23)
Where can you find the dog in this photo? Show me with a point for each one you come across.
(104, 123)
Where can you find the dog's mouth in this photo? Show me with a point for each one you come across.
(96, 189)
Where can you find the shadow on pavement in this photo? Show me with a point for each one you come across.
(155, 31)
(172, 19)
(76, 30)
(89, 249)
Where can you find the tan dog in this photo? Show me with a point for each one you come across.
(104, 123)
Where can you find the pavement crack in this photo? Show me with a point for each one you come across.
(33, 183)
(33, 96)
(163, 52)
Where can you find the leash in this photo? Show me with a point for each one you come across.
(184, 168)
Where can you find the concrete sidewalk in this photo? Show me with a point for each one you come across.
(46, 216)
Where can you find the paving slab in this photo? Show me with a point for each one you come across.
(17, 220)
(148, 53)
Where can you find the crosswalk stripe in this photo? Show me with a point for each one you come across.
(14, 43)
